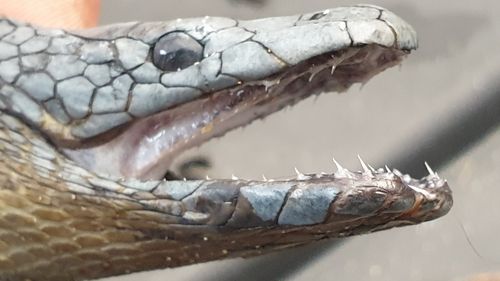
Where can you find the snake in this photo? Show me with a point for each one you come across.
(91, 120)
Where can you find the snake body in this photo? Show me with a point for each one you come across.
(90, 122)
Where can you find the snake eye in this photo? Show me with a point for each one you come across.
(176, 51)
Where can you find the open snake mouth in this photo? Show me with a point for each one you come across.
(123, 102)
(145, 148)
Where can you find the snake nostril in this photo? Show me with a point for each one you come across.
(317, 16)
(175, 51)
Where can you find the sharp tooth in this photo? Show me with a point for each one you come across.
(429, 169)
(424, 192)
(388, 170)
(300, 176)
(397, 172)
(371, 168)
(337, 164)
(264, 177)
(340, 169)
(312, 76)
(298, 172)
(366, 170)
(208, 178)
(234, 178)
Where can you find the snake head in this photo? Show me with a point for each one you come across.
(90, 121)
(138, 94)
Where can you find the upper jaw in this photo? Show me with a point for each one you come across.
(248, 70)
(145, 148)
(233, 52)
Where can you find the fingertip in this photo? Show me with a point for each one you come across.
(69, 14)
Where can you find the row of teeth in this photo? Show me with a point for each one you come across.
(367, 171)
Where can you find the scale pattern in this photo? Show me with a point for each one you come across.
(59, 221)
(77, 86)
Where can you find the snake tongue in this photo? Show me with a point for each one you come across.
(145, 148)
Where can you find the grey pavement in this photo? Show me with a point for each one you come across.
(442, 105)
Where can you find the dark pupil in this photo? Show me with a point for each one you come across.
(175, 51)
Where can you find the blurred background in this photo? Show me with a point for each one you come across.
(441, 106)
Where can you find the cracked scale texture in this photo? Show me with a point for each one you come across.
(84, 70)
(308, 206)
(64, 223)
(9, 69)
(151, 98)
(59, 221)
(39, 85)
